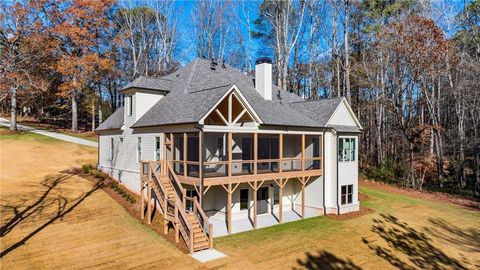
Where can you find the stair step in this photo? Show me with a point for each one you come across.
(197, 247)
(199, 241)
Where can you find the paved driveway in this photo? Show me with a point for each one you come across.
(6, 123)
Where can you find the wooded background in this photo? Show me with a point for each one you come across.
(409, 68)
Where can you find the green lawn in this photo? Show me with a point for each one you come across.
(403, 232)
(6, 134)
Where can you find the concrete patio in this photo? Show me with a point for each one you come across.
(242, 223)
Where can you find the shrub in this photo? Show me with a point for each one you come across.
(117, 188)
(87, 168)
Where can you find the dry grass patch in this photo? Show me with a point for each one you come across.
(52, 218)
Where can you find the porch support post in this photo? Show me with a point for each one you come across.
(280, 152)
(185, 148)
(229, 144)
(255, 189)
(280, 202)
(255, 152)
(303, 196)
(255, 186)
(142, 197)
(163, 169)
(200, 166)
(229, 208)
(172, 147)
(149, 198)
(303, 152)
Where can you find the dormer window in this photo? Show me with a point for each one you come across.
(129, 106)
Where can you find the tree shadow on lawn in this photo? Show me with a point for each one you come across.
(415, 245)
(326, 260)
(51, 205)
(468, 239)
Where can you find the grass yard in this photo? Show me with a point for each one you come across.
(404, 232)
(51, 218)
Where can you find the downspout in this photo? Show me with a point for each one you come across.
(338, 205)
(323, 167)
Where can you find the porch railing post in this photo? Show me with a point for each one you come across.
(255, 152)
(303, 152)
(229, 154)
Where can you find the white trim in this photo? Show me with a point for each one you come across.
(349, 109)
(240, 98)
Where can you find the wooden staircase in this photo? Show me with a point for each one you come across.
(191, 224)
(200, 240)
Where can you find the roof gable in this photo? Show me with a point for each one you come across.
(230, 109)
(343, 116)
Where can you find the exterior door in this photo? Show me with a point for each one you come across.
(262, 200)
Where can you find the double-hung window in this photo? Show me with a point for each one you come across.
(347, 194)
(157, 148)
(139, 149)
(346, 149)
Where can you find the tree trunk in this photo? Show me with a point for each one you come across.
(412, 172)
(74, 112)
(347, 53)
(13, 109)
(93, 115)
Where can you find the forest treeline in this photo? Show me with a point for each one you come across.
(409, 68)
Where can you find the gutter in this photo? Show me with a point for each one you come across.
(323, 166)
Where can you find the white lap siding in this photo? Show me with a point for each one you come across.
(348, 175)
(125, 167)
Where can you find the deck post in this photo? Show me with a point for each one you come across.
(280, 152)
(200, 166)
(303, 196)
(172, 147)
(303, 152)
(280, 202)
(149, 200)
(229, 208)
(229, 144)
(185, 148)
(255, 188)
(255, 152)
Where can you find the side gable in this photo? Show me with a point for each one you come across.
(344, 116)
(231, 110)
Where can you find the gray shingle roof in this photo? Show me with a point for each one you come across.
(143, 82)
(318, 110)
(342, 128)
(115, 121)
(194, 89)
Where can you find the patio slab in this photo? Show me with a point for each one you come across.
(263, 220)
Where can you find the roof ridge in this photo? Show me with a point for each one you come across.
(322, 99)
(210, 88)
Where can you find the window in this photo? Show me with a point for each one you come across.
(139, 149)
(346, 149)
(157, 148)
(347, 194)
(121, 139)
(243, 199)
(276, 195)
(129, 105)
(112, 142)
